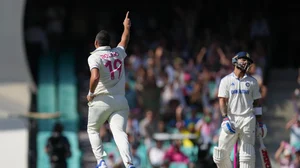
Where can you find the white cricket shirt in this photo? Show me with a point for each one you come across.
(110, 62)
(240, 93)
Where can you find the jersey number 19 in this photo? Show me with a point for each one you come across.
(113, 66)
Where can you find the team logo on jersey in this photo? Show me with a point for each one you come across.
(232, 84)
(247, 84)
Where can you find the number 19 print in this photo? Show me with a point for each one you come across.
(113, 66)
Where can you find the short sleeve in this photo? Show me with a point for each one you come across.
(223, 91)
(93, 62)
(256, 92)
(121, 51)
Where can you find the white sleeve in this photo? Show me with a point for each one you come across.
(223, 89)
(93, 62)
(121, 51)
(256, 93)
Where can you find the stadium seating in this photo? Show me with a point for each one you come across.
(67, 104)
(178, 165)
(46, 103)
(57, 91)
(190, 152)
(46, 94)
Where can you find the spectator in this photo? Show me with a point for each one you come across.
(105, 134)
(130, 94)
(172, 91)
(182, 129)
(161, 126)
(283, 155)
(113, 162)
(297, 159)
(133, 127)
(207, 128)
(148, 126)
(156, 154)
(174, 154)
(256, 72)
(191, 121)
(294, 126)
(58, 148)
(259, 54)
(135, 157)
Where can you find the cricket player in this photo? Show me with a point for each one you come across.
(239, 99)
(106, 95)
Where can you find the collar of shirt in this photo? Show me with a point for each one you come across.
(237, 77)
(101, 49)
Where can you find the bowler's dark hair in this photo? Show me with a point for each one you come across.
(103, 38)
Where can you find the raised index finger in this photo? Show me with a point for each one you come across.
(127, 14)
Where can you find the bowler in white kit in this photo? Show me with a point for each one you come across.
(239, 99)
(106, 97)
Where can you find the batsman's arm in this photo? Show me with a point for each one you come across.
(223, 95)
(258, 109)
(257, 103)
(223, 106)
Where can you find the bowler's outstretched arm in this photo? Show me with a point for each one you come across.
(126, 33)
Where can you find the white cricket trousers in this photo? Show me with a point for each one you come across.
(115, 109)
(245, 131)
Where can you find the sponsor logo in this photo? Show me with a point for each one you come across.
(240, 91)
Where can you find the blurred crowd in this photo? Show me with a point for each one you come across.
(176, 58)
(288, 152)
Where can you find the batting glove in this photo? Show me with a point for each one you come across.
(228, 126)
(261, 130)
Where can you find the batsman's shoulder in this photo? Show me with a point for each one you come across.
(251, 78)
(226, 78)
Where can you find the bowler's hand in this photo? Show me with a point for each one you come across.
(90, 98)
(127, 22)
